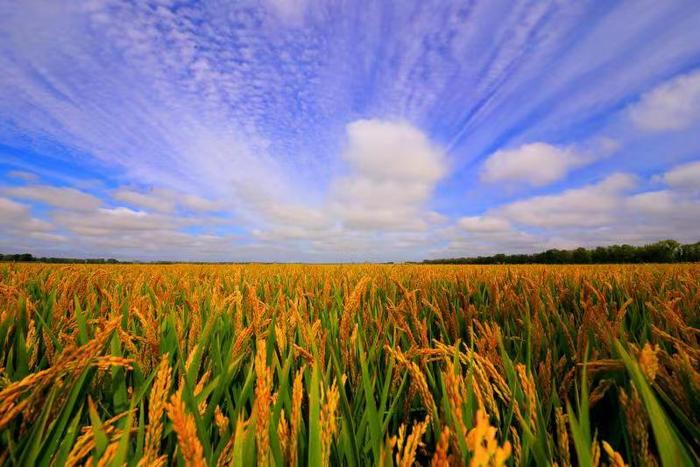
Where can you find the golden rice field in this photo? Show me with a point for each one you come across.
(349, 365)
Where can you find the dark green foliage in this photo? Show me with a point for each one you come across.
(665, 251)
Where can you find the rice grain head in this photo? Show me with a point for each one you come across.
(186, 431)
(263, 403)
(328, 421)
(157, 403)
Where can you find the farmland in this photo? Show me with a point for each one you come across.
(349, 365)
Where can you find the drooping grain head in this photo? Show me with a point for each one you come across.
(328, 421)
(184, 426)
(157, 403)
(263, 402)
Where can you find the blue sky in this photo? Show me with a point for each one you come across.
(297, 130)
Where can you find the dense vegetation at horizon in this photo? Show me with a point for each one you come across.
(664, 251)
(349, 365)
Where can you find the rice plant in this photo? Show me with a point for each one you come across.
(349, 365)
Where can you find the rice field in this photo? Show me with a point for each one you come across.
(349, 365)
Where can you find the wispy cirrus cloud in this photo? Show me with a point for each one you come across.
(23, 175)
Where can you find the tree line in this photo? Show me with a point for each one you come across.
(665, 251)
(29, 258)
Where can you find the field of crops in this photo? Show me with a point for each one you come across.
(349, 365)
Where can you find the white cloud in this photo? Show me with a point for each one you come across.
(393, 169)
(589, 206)
(660, 214)
(19, 227)
(377, 210)
(535, 163)
(673, 105)
(393, 150)
(115, 221)
(598, 214)
(152, 200)
(458, 242)
(484, 224)
(48, 237)
(435, 218)
(128, 233)
(165, 200)
(17, 216)
(685, 176)
(199, 203)
(63, 197)
(652, 203)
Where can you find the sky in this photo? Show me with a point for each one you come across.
(299, 130)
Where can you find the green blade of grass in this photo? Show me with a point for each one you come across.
(670, 446)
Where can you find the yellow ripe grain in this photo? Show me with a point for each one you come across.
(202, 407)
(328, 421)
(528, 386)
(297, 397)
(455, 397)
(562, 437)
(595, 454)
(481, 442)
(352, 305)
(86, 441)
(186, 431)
(637, 426)
(220, 420)
(440, 457)
(283, 434)
(408, 446)
(418, 381)
(263, 402)
(108, 456)
(614, 457)
(157, 403)
(648, 361)
(517, 446)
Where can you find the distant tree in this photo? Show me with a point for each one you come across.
(690, 252)
(581, 256)
(665, 251)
